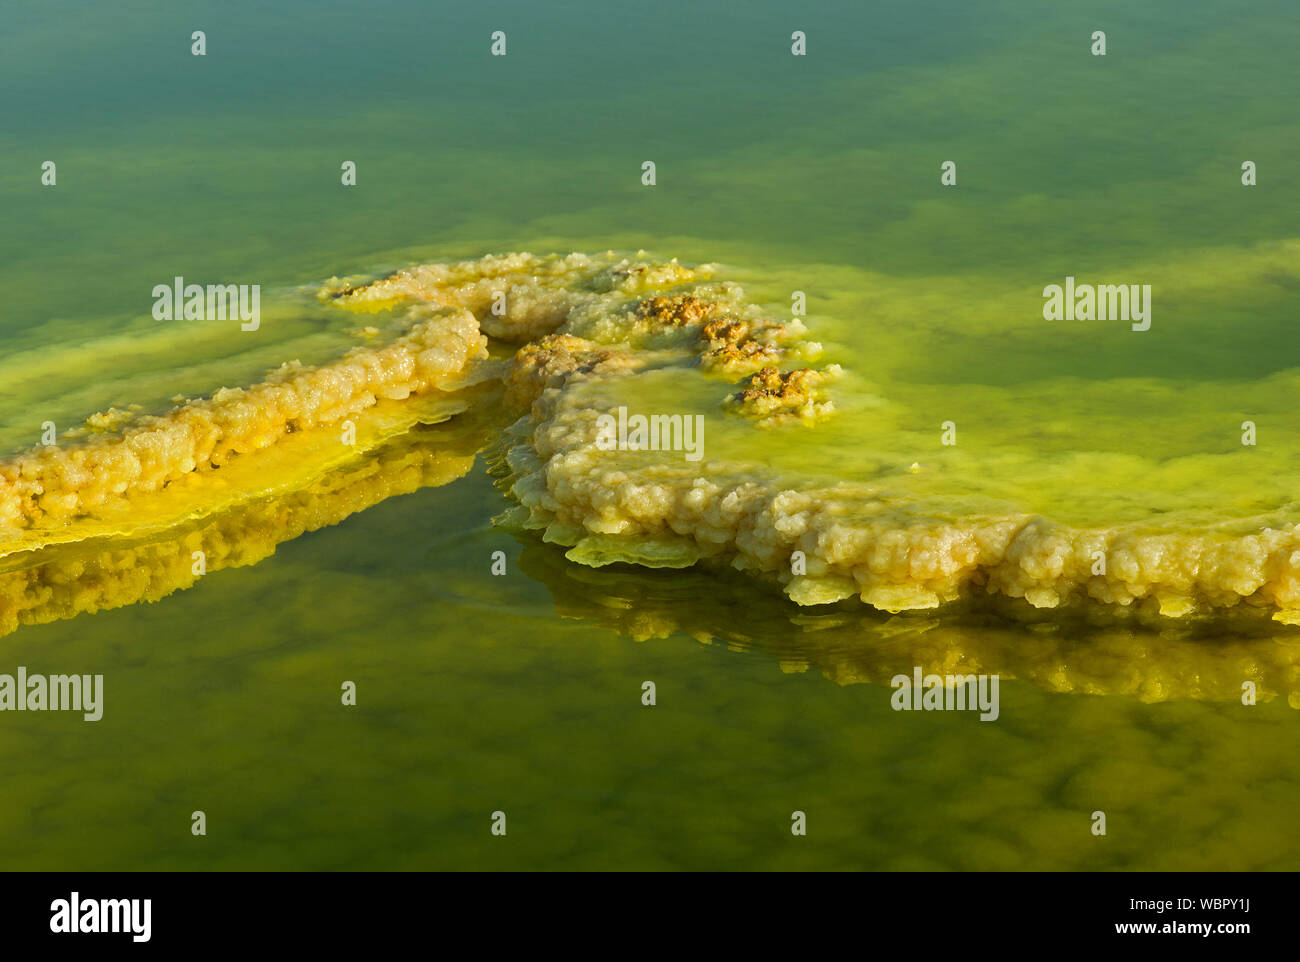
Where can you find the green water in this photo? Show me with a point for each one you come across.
(522, 693)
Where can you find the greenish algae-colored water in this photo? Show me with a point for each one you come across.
(522, 693)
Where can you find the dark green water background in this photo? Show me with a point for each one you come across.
(475, 695)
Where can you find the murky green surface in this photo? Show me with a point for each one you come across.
(522, 693)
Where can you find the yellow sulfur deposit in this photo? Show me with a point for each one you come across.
(47, 491)
(773, 396)
(579, 337)
(599, 321)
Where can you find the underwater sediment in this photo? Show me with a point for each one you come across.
(547, 350)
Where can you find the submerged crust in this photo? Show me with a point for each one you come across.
(74, 579)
